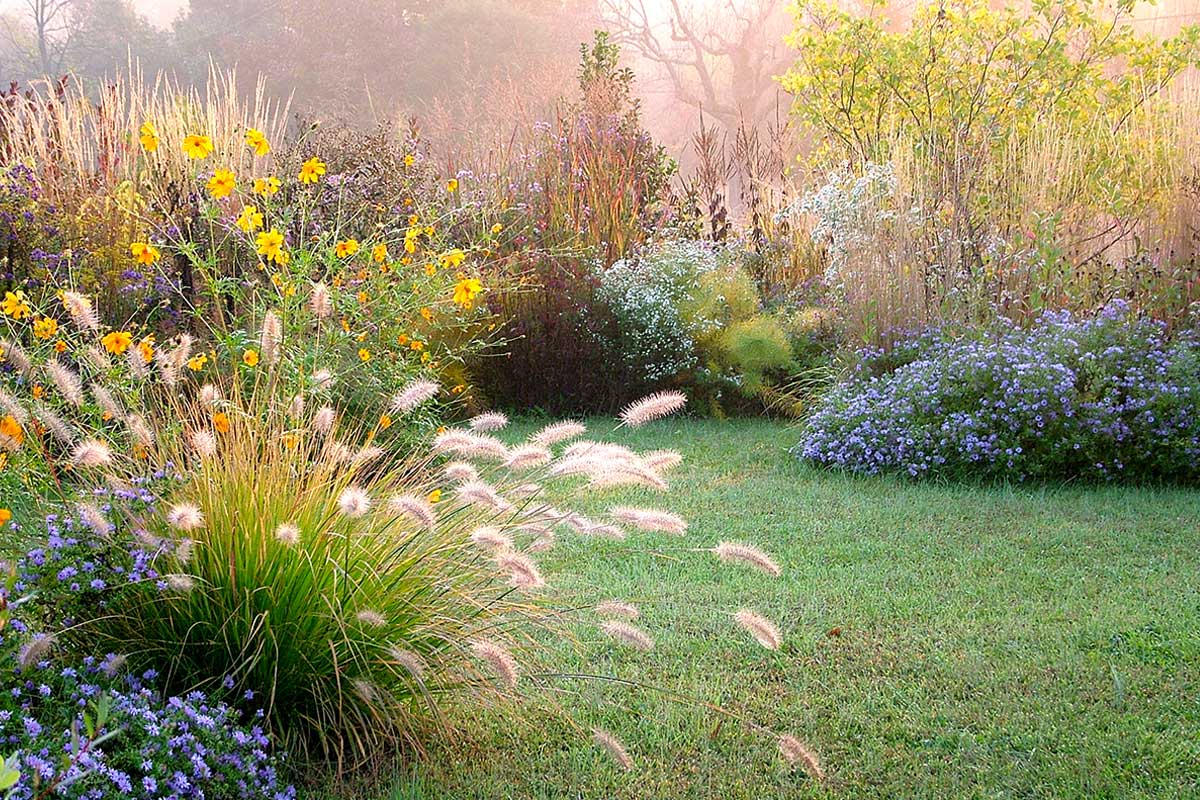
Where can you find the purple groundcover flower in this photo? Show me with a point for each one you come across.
(75, 725)
(1104, 397)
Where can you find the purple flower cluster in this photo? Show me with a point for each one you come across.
(1111, 396)
(77, 726)
(88, 734)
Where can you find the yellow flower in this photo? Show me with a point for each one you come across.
(409, 159)
(427, 313)
(222, 183)
(425, 358)
(60, 346)
(45, 327)
(430, 270)
(466, 290)
(39, 391)
(497, 228)
(312, 170)
(5, 517)
(364, 354)
(148, 136)
(410, 239)
(270, 246)
(146, 348)
(385, 422)
(363, 298)
(435, 496)
(459, 389)
(144, 253)
(256, 140)
(196, 146)
(291, 441)
(452, 185)
(197, 362)
(379, 252)
(221, 422)
(416, 344)
(117, 342)
(14, 305)
(10, 428)
(250, 358)
(266, 186)
(346, 248)
(250, 220)
(452, 258)
(402, 339)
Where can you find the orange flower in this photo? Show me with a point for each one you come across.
(117, 342)
(346, 248)
(10, 429)
(385, 422)
(220, 421)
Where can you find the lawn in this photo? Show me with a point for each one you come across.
(941, 641)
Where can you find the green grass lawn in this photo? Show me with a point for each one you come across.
(995, 642)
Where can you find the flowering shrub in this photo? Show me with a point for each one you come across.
(1106, 397)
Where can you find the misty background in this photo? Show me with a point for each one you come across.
(468, 68)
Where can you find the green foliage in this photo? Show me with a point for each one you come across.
(967, 74)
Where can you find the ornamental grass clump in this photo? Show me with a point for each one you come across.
(359, 587)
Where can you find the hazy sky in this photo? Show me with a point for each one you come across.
(160, 12)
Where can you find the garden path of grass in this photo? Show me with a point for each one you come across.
(994, 642)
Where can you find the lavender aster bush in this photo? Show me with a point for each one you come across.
(74, 725)
(1106, 397)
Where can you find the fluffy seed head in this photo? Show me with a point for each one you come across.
(413, 395)
(459, 471)
(795, 753)
(56, 425)
(737, 553)
(410, 661)
(491, 421)
(319, 301)
(662, 461)
(371, 618)
(324, 418)
(94, 518)
(525, 490)
(521, 569)
(203, 443)
(498, 659)
(655, 406)
(296, 406)
(271, 337)
(613, 747)
(14, 354)
(649, 519)
(322, 380)
(66, 381)
(761, 628)
(179, 582)
(288, 534)
(354, 502)
(528, 456)
(14, 409)
(470, 445)
(628, 634)
(417, 509)
(80, 309)
(615, 608)
(185, 517)
(210, 395)
(108, 404)
(491, 538)
(558, 432)
(35, 651)
(139, 429)
(91, 453)
(478, 493)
